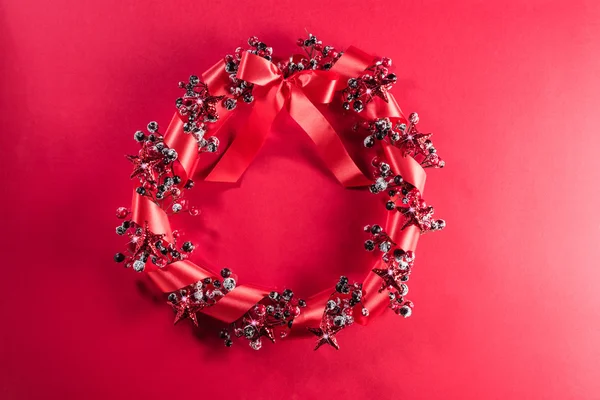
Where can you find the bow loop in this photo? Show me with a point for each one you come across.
(257, 70)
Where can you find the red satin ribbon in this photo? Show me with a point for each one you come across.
(272, 93)
(299, 93)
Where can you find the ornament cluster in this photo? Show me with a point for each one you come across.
(145, 246)
(317, 56)
(157, 172)
(374, 82)
(239, 88)
(270, 319)
(404, 198)
(198, 108)
(339, 312)
(154, 167)
(407, 137)
(397, 265)
(187, 302)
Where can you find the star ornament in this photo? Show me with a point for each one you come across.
(413, 142)
(372, 88)
(381, 92)
(198, 100)
(380, 82)
(326, 336)
(210, 102)
(186, 308)
(391, 278)
(416, 212)
(420, 217)
(144, 165)
(206, 106)
(146, 243)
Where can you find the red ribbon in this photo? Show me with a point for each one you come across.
(298, 94)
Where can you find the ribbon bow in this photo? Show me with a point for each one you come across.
(298, 94)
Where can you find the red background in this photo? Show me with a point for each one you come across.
(507, 304)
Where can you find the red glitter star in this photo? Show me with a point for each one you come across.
(381, 91)
(185, 308)
(413, 142)
(146, 243)
(379, 83)
(326, 336)
(391, 277)
(416, 211)
(145, 164)
(200, 101)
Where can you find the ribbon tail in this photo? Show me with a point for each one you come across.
(329, 145)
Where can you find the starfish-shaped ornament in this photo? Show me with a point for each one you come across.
(415, 212)
(146, 243)
(186, 308)
(391, 277)
(381, 91)
(144, 165)
(413, 142)
(326, 336)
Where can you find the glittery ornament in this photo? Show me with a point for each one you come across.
(198, 108)
(147, 246)
(188, 301)
(404, 198)
(374, 82)
(339, 312)
(270, 318)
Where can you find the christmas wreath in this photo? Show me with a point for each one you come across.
(354, 85)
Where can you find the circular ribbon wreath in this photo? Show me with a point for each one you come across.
(167, 164)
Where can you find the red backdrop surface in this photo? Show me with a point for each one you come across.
(507, 304)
